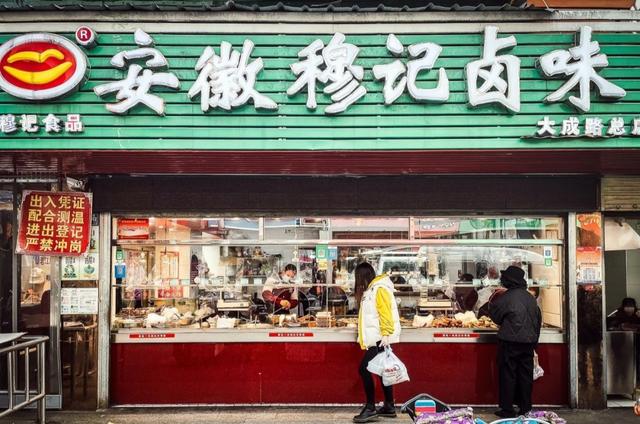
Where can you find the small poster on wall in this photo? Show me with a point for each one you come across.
(79, 301)
(589, 265)
(133, 228)
(589, 249)
(82, 268)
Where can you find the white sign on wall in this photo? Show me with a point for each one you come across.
(79, 301)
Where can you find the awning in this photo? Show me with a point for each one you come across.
(268, 5)
(389, 162)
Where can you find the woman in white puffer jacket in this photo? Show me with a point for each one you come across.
(378, 327)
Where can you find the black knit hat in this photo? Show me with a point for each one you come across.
(513, 276)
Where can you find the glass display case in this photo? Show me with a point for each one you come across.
(239, 273)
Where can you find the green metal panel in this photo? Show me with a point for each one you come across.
(367, 125)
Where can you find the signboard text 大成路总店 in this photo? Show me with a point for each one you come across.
(227, 78)
(594, 127)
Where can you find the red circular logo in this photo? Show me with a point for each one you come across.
(41, 66)
(37, 66)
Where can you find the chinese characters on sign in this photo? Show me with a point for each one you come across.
(54, 223)
(134, 89)
(10, 124)
(342, 77)
(227, 80)
(494, 88)
(594, 127)
(582, 72)
(392, 71)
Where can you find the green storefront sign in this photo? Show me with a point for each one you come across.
(304, 92)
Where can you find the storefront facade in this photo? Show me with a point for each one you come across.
(220, 147)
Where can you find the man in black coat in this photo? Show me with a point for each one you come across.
(520, 319)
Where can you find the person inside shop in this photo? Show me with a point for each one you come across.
(485, 294)
(316, 292)
(378, 327)
(520, 319)
(398, 280)
(278, 293)
(626, 317)
(466, 297)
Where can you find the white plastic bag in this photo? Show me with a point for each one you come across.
(387, 365)
(376, 365)
(394, 370)
(537, 369)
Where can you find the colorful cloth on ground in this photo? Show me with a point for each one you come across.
(455, 416)
(548, 416)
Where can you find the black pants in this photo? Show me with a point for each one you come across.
(515, 368)
(367, 378)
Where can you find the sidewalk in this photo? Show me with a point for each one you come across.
(275, 415)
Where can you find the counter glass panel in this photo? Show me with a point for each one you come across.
(243, 273)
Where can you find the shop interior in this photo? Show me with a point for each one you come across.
(235, 273)
(29, 306)
(622, 284)
(78, 329)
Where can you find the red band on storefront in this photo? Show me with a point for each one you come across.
(152, 336)
(290, 334)
(456, 335)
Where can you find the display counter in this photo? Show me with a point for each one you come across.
(219, 367)
(263, 310)
(310, 335)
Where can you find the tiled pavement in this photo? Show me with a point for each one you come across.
(275, 415)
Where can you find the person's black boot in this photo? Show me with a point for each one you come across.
(367, 414)
(505, 414)
(388, 410)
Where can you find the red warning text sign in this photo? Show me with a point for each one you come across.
(54, 223)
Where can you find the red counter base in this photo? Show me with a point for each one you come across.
(284, 373)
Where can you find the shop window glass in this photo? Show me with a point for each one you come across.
(486, 228)
(444, 280)
(182, 229)
(366, 228)
(295, 228)
(305, 267)
(35, 294)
